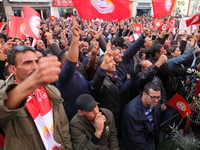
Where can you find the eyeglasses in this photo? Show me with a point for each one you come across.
(19, 48)
(155, 97)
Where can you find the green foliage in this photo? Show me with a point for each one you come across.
(185, 142)
(169, 145)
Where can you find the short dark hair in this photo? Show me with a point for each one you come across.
(44, 54)
(155, 49)
(18, 49)
(61, 55)
(120, 41)
(151, 85)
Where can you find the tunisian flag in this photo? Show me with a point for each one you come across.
(138, 28)
(32, 20)
(164, 26)
(162, 8)
(193, 20)
(179, 103)
(105, 9)
(40, 109)
(17, 28)
(171, 23)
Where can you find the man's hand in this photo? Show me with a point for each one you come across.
(162, 59)
(76, 29)
(108, 56)
(44, 74)
(94, 34)
(99, 124)
(5, 48)
(163, 107)
(185, 34)
(170, 31)
(162, 34)
(128, 76)
(195, 38)
(49, 37)
(147, 32)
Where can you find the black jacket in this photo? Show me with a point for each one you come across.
(165, 72)
(149, 75)
(105, 90)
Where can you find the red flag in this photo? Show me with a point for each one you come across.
(179, 103)
(17, 28)
(171, 23)
(105, 9)
(162, 8)
(138, 28)
(164, 26)
(1, 26)
(157, 23)
(32, 20)
(51, 18)
(193, 20)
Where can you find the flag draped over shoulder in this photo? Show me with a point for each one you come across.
(32, 20)
(193, 20)
(42, 117)
(162, 8)
(17, 28)
(105, 9)
(179, 103)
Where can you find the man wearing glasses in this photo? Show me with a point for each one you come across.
(141, 120)
(32, 114)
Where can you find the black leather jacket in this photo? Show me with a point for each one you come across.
(105, 90)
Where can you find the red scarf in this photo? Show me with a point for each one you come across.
(40, 109)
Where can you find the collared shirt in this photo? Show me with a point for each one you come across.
(148, 113)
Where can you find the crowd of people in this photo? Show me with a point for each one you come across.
(92, 84)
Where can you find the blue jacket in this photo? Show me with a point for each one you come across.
(187, 56)
(71, 84)
(137, 131)
(127, 67)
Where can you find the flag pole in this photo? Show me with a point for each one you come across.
(188, 8)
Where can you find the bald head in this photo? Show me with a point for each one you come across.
(145, 64)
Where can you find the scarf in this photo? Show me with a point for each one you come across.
(40, 109)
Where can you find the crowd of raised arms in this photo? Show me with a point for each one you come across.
(93, 84)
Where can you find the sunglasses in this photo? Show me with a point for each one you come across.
(19, 48)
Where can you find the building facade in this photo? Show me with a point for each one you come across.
(64, 8)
